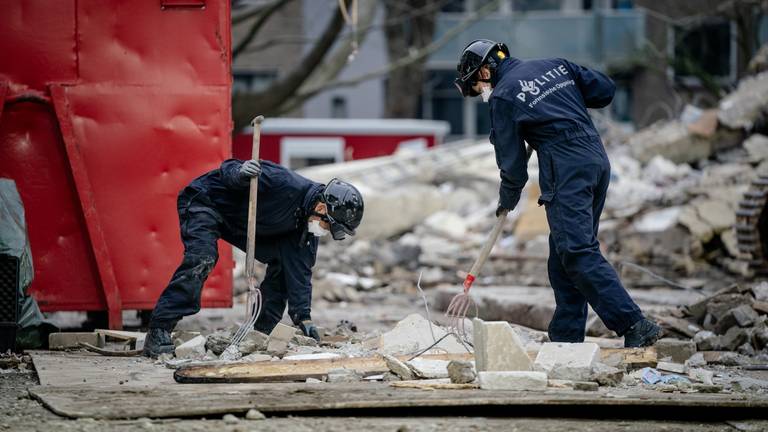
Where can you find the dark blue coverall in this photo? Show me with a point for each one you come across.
(214, 206)
(544, 102)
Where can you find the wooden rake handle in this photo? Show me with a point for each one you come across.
(250, 252)
(486, 250)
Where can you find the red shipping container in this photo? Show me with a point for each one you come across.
(107, 109)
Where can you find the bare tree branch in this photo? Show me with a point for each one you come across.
(268, 102)
(264, 16)
(418, 55)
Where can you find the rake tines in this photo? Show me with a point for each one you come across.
(457, 313)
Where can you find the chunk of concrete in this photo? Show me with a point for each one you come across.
(706, 340)
(701, 375)
(606, 375)
(585, 385)
(512, 380)
(412, 334)
(498, 347)
(192, 349)
(254, 414)
(343, 375)
(66, 340)
(402, 370)
(254, 341)
(677, 350)
(429, 368)
(279, 338)
(733, 338)
(573, 361)
(744, 315)
(256, 357)
(678, 368)
(461, 372)
(745, 106)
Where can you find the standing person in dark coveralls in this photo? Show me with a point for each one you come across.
(292, 213)
(544, 102)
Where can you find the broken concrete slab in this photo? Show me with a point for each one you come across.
(68, 340)
(512, 380)
(343, 375)
(744, 315)
(192, 349)
(461, 372)
(678, 368)
(498, 347)
(672, 140)
(706, 340)
(254, 341)
(429, 368)
(279, 338)
(677, 350)
(701, 375)
(413, 334)
(402, 370)
(573, 361)
(606, 375)
(745, 106)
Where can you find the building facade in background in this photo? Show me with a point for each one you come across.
(662, 55)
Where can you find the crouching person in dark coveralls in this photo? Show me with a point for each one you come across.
(544, 102)
(292, 213)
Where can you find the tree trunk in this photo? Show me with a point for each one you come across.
(406, 31)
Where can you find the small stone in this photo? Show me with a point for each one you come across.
(399, 368)
(696, 360)
(706, 340)
(701, 375)
(585, 385)
(254, 414)
(512, 380)
(733, 338)
(304, 340)
(343, 375)
(254, 341)
(606, 375)
(745, 316)
(461, 372)
(192, 349)
(313, 381)
(671, 367)
(230, 419)
(707, 388)
(677, 350)
(573, 361)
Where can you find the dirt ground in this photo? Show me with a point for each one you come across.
(19, 413)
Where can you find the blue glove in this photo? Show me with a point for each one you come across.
(249, 169)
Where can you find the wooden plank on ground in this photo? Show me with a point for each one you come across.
(83, 368)
(117, 402)
(289, 370)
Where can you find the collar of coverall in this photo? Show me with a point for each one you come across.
(505, 65)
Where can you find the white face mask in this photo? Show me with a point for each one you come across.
(486, 93)
(315, 228)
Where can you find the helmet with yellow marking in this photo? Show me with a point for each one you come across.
(478, 53)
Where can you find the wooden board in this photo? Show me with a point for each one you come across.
(195, 400)
(290, 370)
(83, 368)
(286, 371)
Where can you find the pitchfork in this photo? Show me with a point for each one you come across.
(254, 301)
(460, 304)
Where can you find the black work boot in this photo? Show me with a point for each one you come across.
(643, 333)
(158, 342)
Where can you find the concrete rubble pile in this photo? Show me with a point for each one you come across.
(671, 208)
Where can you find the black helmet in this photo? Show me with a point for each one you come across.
(475, 55)
(344, 208)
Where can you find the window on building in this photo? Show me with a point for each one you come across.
(252, 81)
(482, 119)
(454, 6)
(339, 107)
(705, 49)
(443, 100)
(536, 5)
(621, 106)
